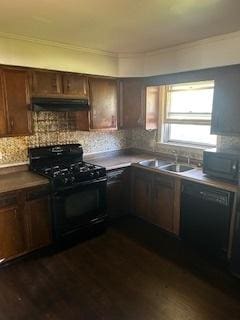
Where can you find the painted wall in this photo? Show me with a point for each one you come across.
(43, 54)
(207, 53)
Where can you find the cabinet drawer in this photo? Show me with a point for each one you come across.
(39, 192)
(164, 181)
(8, 200)
(115, 175)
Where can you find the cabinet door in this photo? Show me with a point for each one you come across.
(103, 99)
(162, 213)
(12, 232)
(226, 109)
(75, 85)
(131, 103)
(152, 107)
(141, 195)
(45, 83)
(38, 222)
(17, 101)
(3, 115)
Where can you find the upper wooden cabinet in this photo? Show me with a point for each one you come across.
(152, 107)
(226, 106)
(46, 83)
(131, 103)
(51, 83)
(15, 117)
(104, 103)
(75, 85)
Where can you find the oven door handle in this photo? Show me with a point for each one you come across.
(81, 185)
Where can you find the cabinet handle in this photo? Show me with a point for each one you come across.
(84, 88)
(68, 84)
(11, 123)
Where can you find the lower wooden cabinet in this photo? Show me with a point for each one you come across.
(163, 202)
(141, 200)
(25, 222)
(38, 219)
(12, 233)
(156, 199)
(118, 193)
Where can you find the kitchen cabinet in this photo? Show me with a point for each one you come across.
(226, 110)
(38, 218)
(141, 194)
(131, 103)
(152, 107)
(12, 232)
(104, 103)
(45, 83)
(75, 85)
(15, 116)
(59, 84)
(25, 222)
(156, 199)
(163, 202)
(118, 192)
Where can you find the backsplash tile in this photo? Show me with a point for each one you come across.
(58, 128)
(147, 140)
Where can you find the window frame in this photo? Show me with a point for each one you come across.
(167, 121)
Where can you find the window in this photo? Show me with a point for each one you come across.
(188, 112)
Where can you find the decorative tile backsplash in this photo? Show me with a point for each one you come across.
(58, 128)
(147, 140)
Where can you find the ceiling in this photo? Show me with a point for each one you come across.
(123, 26)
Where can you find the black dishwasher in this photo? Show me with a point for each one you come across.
(205, 218)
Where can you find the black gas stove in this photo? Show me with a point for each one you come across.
(78, 188)
(63, 165)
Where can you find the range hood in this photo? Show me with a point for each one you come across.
(59, 104)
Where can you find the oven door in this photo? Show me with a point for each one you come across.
(79, 207)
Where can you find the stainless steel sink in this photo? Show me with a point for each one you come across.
(154, 163)
(177, 167)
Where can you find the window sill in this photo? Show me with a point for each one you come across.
(188, 147)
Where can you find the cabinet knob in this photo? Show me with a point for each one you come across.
(11, 123)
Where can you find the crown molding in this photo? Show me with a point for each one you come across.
(197, 43)
(13, 36)
(193, 44)
(134, 55)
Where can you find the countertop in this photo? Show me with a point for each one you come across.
(20, 180)
(114, 161)
(117, 160)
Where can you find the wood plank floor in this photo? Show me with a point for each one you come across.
(128, 273)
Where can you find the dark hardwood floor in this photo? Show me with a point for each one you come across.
(130, 272)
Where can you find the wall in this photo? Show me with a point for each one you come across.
(212, 52)
(16, 50)
(58, 128)
(216, 51)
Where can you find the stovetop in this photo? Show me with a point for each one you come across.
(63, 165)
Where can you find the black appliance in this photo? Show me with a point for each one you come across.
(222, 164)
(205, 218)
(78, 188)
(59, 104)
